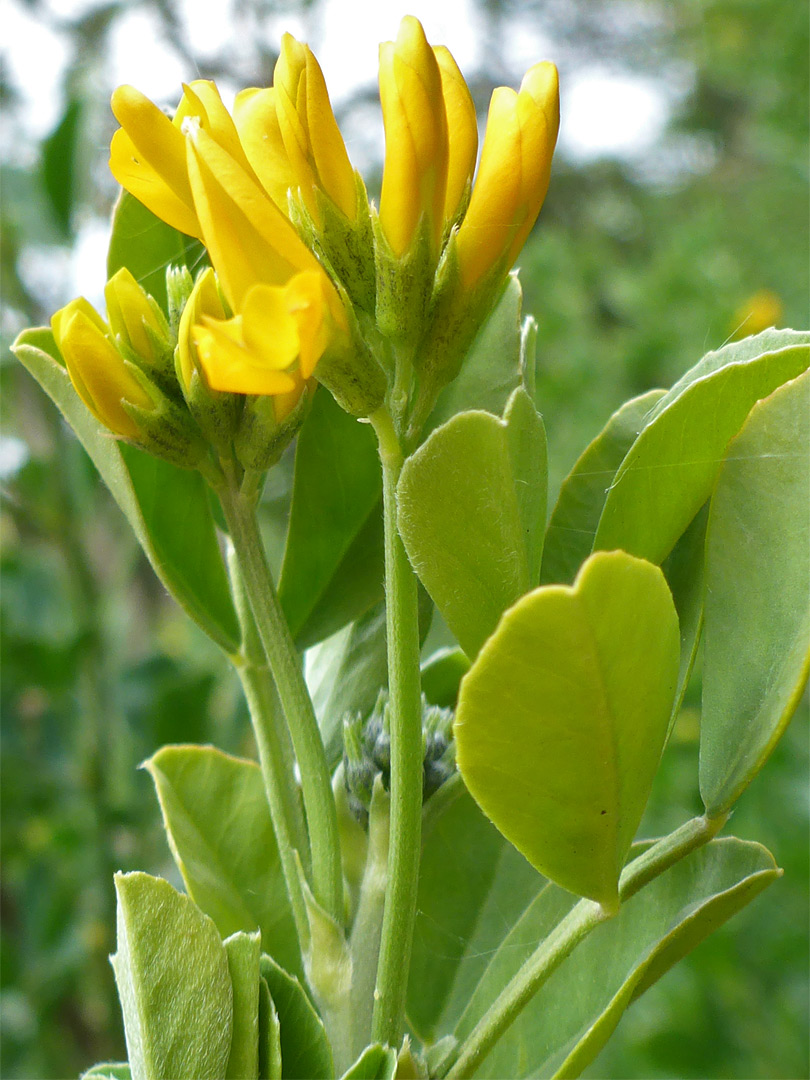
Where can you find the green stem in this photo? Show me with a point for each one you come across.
(279, 648)
(405, 711)
(579, 922)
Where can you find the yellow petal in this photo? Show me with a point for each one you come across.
(254, 114)
(416, 147)
(327, 148)
(283, 404)
(229, 366)
(149, 159)
(204, 300)
(462, 130)
(307, 303)
(201, 100)
(130, 313)
(269, 330)
(98, 373)
(248, 238)
(514, 173)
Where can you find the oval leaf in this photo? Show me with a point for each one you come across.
(172, 975)
(572, 1016)
(672, 466)
(757, 623)
(167, 507)
(562, 718)
(305, 1050)
(219, 829)
(471, 512)
(575, 518)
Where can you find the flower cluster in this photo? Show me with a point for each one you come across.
(308, 279)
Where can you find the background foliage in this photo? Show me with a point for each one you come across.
(640, 263)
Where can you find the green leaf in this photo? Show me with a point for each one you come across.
(562, 719)
(147, 246)
(219, 829)
(683, 569)
(109, 1070)
(243, 952)
(572, 1016)
(757, 631)
(305, 1051)
(172, 975)
(269, 1036)
(472, 507)
(167, 507)
(441, 674)
(375, 1063)
(492, 368)
(345, 674)
(574, 520)
(59, 164)
(473, 885)
(671, 468)
(332, 569)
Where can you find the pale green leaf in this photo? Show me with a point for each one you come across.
(757, 632)
(219, 829)
(243, 951)
(671, 468)
(471, 512)
(305, 1050)
(269, 1036)
(167, 507)
(562, 718)
(574, 1013)
(375, 1063)
(172, 975)
(574, 520)
(109, 1070)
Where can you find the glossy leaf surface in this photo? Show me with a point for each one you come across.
(472, 514)
(757, 633)
(562, 718)
(173, 981)
(219, 829)
(167, 507)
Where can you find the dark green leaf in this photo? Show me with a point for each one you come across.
(305, 1051)
(156, 498)
(59, 164)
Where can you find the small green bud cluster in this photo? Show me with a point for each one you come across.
(367, 752)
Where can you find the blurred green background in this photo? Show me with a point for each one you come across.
(650, 250)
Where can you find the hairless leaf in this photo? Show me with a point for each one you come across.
(671, 468)
(757, 630)
(375, 1063)
(305, 1050)
(562, 718)
(167, 507)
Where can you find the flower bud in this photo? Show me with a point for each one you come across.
(513, 176)
(462, 134)
(138, 324)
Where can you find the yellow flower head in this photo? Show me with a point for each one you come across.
(514, 173)
(309, 131)
(96, 368)
(273, 345)
(415, 174)
(203, 302)
(462, 131)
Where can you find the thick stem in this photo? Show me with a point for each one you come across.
(579, 922)
(405, 712)
(319, 804)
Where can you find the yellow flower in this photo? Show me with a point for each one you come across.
(513, 175)
(204, 301)
(314, 145)
(256, 118)
(136, 318)
(96, 368)
(462, 131)
(273, 345)
(416, 148)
